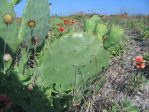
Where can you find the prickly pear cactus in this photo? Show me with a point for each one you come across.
(115, 35)
(22, 73)
(101, 30)
(35, 23)
(8, 27)
(91, 23)
(90, 26)
(72, 60)
(96, 18)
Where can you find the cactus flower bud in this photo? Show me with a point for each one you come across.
(8, 19)
(31, 23)
(30, 87)
(7, 57)
(35, 40)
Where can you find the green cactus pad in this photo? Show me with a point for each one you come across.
(96, 18)
(101, 30)
(72, 60)
(115, 35)
(90, 26)
(35, 22)
(91, 23)
(8, 27)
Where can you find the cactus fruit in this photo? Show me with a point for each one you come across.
(115, 35)
(8, 27)
(91, 23)
(72, 60)
(35, 22)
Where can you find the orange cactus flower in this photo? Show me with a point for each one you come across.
(140, 65)
(139, 62)
(73, 22)
(59, 24)
(61, 29)
(66, 21)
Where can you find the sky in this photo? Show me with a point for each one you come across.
(68, 7)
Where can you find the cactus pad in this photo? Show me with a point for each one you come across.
(115, 35)
(91, 23)
(8, 26)
(72, 60)
(101, 30)
(35, 21)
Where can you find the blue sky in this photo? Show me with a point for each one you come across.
(67, 7)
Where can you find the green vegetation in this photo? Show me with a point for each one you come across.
(124, 106)
(47, 64)
(116, 50)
